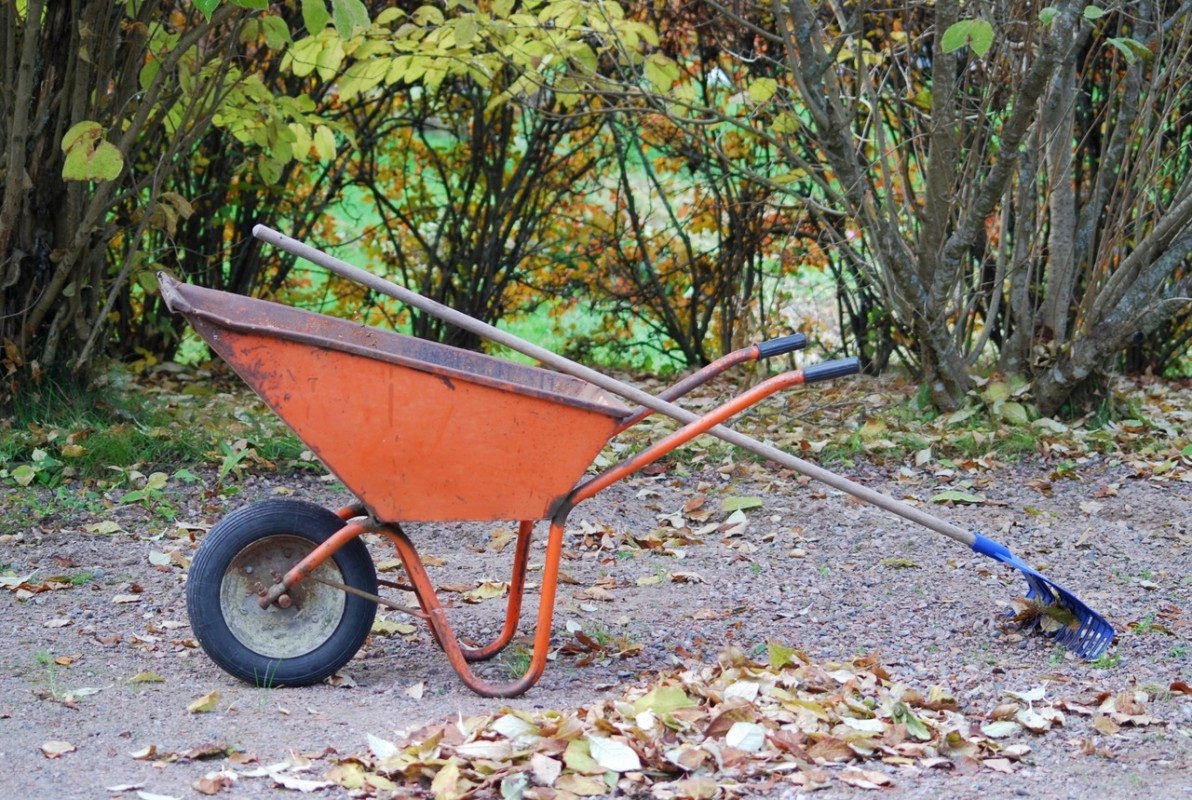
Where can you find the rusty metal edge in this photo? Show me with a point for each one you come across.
(175, 295)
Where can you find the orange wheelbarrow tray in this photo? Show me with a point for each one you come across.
(284, 592)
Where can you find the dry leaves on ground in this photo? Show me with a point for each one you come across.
(728, 727)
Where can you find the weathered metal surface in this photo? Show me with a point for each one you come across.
(417, 430)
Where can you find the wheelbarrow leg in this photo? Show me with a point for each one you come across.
(517, 590)
(441, 628)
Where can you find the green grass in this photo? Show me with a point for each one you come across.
(516, 660)
(66, 433)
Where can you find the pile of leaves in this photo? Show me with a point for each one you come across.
(730, 728)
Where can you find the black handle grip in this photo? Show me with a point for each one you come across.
(783, 344)
(832, 369)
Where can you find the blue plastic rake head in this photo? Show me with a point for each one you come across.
(1088, 639)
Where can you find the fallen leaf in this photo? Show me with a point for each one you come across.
(208, 702)
(696, 788)
(485, 749)
(1002, 765)
(1001, 729)
(1031, 696)
(446, 783)
(1032, 720)
(546, 770)
(511, 726)
(865, 778)
(582, 785)
(748, 737)
(126, 598)
(146, 753)
(382, 748)
(487, 591)
(146, 677)
(298, 784)
(954, 496)
(730, 504)
(56, 748)
(214, 782)
(388, 627)
(613, 755)
(1105, 725)
(899, 563)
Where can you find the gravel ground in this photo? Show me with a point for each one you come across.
(108, 665)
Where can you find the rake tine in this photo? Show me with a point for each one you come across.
(1094, 633)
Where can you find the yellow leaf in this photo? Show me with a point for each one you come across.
(208, 702)
(146, 677)
(324, 143)
(582, 785)
(387, 627)
(446, 785)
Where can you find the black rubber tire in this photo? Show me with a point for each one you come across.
(278, 647)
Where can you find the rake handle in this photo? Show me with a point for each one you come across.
(566, 365)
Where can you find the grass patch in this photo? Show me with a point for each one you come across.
(91, 434)
(69, 434)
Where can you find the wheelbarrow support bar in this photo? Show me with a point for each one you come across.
(1089, 635)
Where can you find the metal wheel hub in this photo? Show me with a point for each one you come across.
(276, 632)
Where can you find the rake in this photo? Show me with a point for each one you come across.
(1088, 634)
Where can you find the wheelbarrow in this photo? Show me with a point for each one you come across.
(284, 592)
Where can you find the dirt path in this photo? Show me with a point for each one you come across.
(107, 665)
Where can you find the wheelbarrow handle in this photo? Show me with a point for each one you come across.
(754, 352)
(781, 345)
(832, 369)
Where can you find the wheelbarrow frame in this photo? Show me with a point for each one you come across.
(274, 347)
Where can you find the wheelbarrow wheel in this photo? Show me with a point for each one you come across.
(250, 550)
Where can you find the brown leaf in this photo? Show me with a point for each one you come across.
(695, 788)
(725, 720)
(1004, 711)
(213, 783)
(865, 778)
(829, 748)
(1105, 725)
(594, 593)
(791, 742)
(1002, 765)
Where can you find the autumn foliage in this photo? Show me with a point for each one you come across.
(1002, 191)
